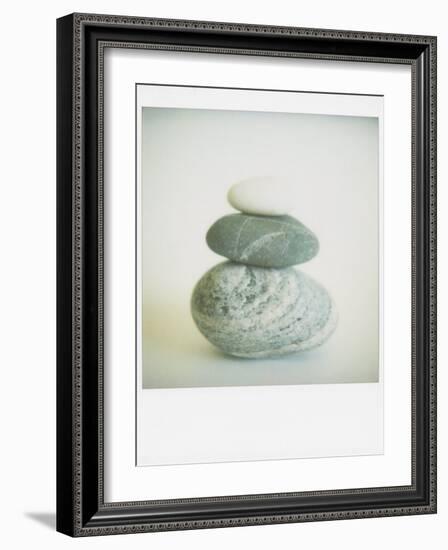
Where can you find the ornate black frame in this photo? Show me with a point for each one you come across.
(81, 39)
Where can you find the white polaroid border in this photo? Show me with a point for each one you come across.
(126, 481)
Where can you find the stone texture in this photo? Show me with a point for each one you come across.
(264, 241)
(264, 196)
(254, 312)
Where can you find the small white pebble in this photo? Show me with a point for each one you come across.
(262, 196)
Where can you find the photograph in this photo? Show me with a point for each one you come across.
(246, 248)
(260, 246)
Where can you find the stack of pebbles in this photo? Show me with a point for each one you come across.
(257, 305)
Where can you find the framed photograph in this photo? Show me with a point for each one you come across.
(246, 274)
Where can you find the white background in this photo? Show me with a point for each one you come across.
(28, 273)
(125, 482)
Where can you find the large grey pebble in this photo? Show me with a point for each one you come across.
(254, 312)
(264, 241)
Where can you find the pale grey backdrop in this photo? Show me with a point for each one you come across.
(189, 160)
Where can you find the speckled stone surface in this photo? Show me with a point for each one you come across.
(263, 241)
(254, 312)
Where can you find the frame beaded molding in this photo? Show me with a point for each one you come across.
(77, 230)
